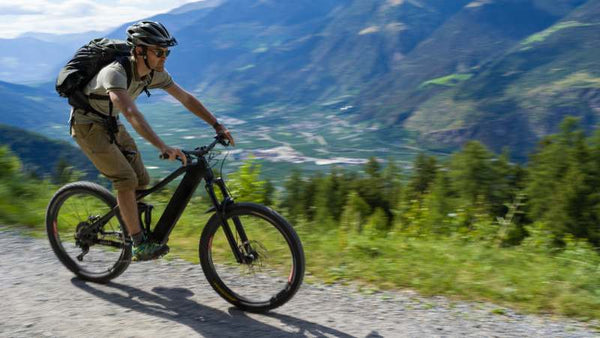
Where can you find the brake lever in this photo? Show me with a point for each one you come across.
(223, 140)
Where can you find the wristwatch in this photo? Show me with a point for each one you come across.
(216, 125)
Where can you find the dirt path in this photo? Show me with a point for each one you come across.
(41, 298)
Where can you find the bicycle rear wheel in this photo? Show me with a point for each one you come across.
(271, 268)
(93, 249)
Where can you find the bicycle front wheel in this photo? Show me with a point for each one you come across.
(259, 265)
(92, 248)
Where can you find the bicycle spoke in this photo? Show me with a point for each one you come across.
(94, 253)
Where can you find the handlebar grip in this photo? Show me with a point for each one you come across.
(222, 140)
(165, 156)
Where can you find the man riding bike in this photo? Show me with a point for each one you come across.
(114, 152)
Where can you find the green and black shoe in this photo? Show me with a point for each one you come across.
(148, 250)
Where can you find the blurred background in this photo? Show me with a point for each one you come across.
(446, 146)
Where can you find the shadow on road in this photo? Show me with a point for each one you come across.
(175, 304)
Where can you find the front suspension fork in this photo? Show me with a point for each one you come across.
(221, 209)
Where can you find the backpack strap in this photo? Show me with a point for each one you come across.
(80, 100)
(126, 63)
(151, 78)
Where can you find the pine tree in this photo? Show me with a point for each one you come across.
(440, 203)
(308, 195)
(562, 185)
(472, 173)
(269, 191)
(372, 168)
(392, 183)
(355, 213)
(594, 197)
(371, 187)
(324, 202)
(423, 175)
(292, 199)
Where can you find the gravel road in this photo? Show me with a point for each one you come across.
(41, 298)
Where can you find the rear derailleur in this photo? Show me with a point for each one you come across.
(86, 235)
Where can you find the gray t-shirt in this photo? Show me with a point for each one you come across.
(113, 77)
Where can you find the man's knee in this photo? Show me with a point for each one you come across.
(143, 180)
(127, 183)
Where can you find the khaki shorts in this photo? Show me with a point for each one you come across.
(126, 172)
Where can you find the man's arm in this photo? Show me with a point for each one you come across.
(196, 107)
(123, 101)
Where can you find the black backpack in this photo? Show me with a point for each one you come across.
(85, 64)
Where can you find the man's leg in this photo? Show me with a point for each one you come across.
(129, 212)
(127, 197)
(143, 249)
(110, 161)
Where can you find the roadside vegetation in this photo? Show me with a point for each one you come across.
(474, 226)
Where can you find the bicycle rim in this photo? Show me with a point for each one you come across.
(269, 277)
(74, 214)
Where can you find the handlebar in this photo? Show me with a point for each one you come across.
(201, 151)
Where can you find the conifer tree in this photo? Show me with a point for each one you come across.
(269, 191)
(440, 203)
(423, 175)
(562, 186)
(472, 173)
(355, 213)
(392, 183)
(292, 199)
(371, 187)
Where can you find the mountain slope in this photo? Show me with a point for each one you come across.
(41, 154)
(32, 108)
(501, 71)
(479, 32)
(522, 95)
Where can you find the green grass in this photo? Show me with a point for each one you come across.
(543, 35)
(447, 81)
(526, 278)
(577, 80)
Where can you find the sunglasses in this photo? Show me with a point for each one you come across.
(160, 52)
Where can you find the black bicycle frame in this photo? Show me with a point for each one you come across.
(194, 173)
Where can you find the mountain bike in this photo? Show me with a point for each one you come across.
(250, 255)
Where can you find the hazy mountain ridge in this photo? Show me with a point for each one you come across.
(31, 108)
(36, 57)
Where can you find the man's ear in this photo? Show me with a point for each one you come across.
(143, 51)
(138, 50)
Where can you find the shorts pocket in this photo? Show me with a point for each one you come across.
(97, 140)
(81, 131)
